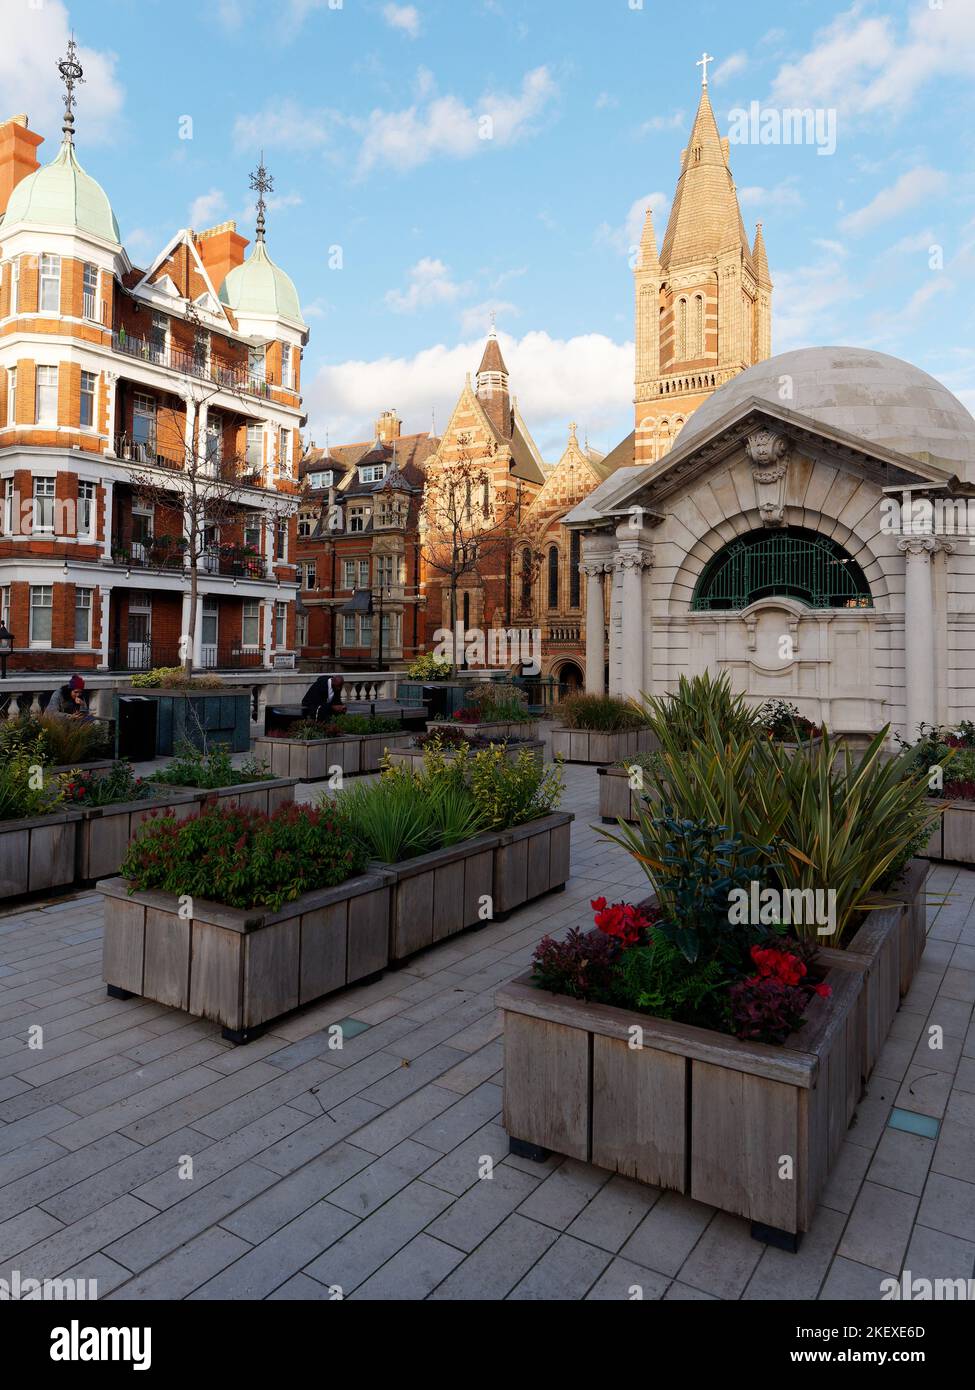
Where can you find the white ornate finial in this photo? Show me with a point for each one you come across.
(702, 63)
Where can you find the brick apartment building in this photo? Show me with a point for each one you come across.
(111, 375)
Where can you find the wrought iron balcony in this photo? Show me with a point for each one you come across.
(205, 368)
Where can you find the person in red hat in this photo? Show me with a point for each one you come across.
(69, 700)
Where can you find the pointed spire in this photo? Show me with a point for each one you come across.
(261, 182)
(760, 257)
(492, 361)
(72, 75)
(649, 258)
(705, 218)
(492, 387)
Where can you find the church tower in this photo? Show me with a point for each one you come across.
(704, 301)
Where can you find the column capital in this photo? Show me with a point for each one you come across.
(924, 546)
(633, 559)
(594, 568)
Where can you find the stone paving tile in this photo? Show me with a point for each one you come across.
(559, 1199)
(42, 1122)
(289, 1197)
(260, 1271)
(847, 1176)
(500, 1262)
(475, 1068)
(902, 1161)
(668, 1233)
(413, 1272)
(459, 1169)
(301, 1289)
(382, 1133)
(624, 1281)
(937, 1255)
(176, 1275)
(780, 1274)
(458, 1122)
(74, 1243)
(483, 1207)
(26, 1098)
(614, 1213)
(879, 1227)
(949, 1205)
(24, 1230)
(351, 1260)
(128, 1173)
(849, 1280)
(103, 1274)
(567, 1271)
(383, 1178)
(47, 1178)
(954, 1153)
(724, 1259)
(315, 1136)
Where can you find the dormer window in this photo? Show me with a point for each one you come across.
(372, 473)
(320, 480)
(49, 297)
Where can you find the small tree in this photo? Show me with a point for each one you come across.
(464, 529)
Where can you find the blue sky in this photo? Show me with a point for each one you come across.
(372, 116)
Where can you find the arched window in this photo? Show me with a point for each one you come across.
(698, 325)
(526, 580)
(553, 577)
(467, 609)
(575, 579)
(681, 330)
(792, 563)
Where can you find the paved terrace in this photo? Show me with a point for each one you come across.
(360, 1168)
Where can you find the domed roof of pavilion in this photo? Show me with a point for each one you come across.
(867, 394)
(261, 287)
(62, 195)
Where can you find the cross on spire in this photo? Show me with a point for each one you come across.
(72, 75)
(261, 183)
(702, 63)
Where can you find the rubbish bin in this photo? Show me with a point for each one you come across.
(135, 728)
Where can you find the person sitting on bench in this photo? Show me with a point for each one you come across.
(324, 699)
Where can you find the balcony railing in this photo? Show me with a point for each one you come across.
(564, 633)
(234, 561)
(190, 364)
(144, 451)
(231, 658)
(157, 552)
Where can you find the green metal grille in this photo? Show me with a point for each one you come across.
(792, 562)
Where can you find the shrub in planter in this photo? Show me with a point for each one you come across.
(119, 784)
(782, 721)
(174, 678)
(23, 794)
(209, 769)
(428, 667)
(340, 727)
(601, 714)
(703, 708)
(494, 702)
(53, 740)
(243, 858)
(405, 815)
(511, 792)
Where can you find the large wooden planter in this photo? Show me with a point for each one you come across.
(590, 746)
(99, 766)
(264, 796)
(953, 838)
(373, 747)
(688, 1109)
(439, 894)
(313, 760)
(617, 800)
(38, 855)
(244, 968)
(104, 832)
(413, 758)
(530, 860)
(495, 730)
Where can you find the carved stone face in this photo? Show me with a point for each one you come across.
(769, 453)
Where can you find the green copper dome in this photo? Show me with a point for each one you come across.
(261, 287)
(62, 195)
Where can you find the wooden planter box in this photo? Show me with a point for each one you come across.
(254, 796)
(38, 855)
(958, 832)
(530, 860)
(589, 746)
(691, 1110)
(617, 801)
(244, 968)
(495, 730)
(99, 766)
(439, 894)
(413, 757)
(310, 759)
(104, 832)
(373, 748)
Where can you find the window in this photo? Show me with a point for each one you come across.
(5, 606)
(306, 523)
(301, 629)
(250, 624)
(157, 337)
(286, 375)
(698, 325)
(372, 473)
(8, 506)
(43, 515)
(348, 629)
(355, 574)
(214, 440)
(575, 579)
(526, 580)
(41, 609)
(281, 540)
(388, 570)
(553, 577)
(357, 519)
(252, 531)
(11, 395)
(82, 617)
(90, 290)
(320, 480)
(143, 425)
(89, 382)
(46, 396)
(365, 629)
(15, 285)
(280, 625)
(283, 441)
(392, 625)
(255, 365)
(142, 529)
(49, 293)
(309, 575)
(86, 509)
(794, 562)
(255, 446)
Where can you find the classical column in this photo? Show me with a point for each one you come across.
(112, 379)
(108, 487)
(105, 600)
(647, 685)
(267, 606)
(631, 564)
(198, 635)
(202, 417)
(919, 672)
(184, 625)
(595, 627)
(190, 428)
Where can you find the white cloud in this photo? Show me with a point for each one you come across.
(230, 13)
(919, 241)
(783, 195)
(810, 301)
(587, 378)
(731, 67)
(626, 236)
(606, 101)
(428, 283)
(285, 125)
(274, 202)
(861, 64)
(675, 121)
(446, 126)
(205, 209)
(32, 40)
(913, 187)
(406, 18)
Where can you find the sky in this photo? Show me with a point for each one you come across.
(438, 161)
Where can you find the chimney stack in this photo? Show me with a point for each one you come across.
(388, 427)
(221, 248)
(18, 155)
